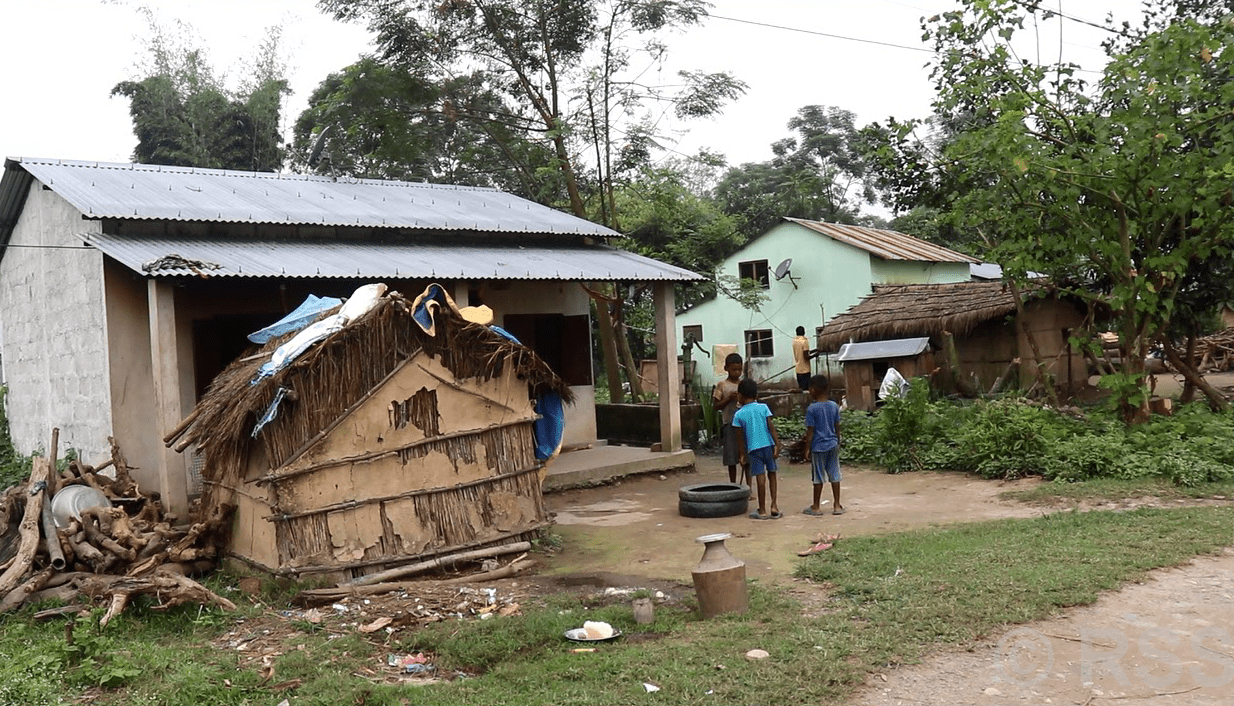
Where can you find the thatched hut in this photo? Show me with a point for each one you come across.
(390, 441)
(979, 317)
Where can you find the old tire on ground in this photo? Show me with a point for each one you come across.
(726, 508)
(713, 492)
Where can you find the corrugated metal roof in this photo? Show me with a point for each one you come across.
(886, 244)
(410, 260)
(145, 191)
(874, 350)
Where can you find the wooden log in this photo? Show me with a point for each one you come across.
(18, 596)
(62, 610)
(94, 533)
(171, 590)
(28, 531)
(66, 593)
(317, 596)
(505, 572)
(87, 552)
(440, 562)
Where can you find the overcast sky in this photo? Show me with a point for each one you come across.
(62, 58)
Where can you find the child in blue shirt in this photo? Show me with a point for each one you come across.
(759, 444)
(823, 444)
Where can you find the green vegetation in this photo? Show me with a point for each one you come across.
(882, 600)
(1011, 438)
(14, 468)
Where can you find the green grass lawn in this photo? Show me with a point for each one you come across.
(883, 600)
(1120, 489)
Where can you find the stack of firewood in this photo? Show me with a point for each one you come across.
(1216, 351)
(103, 553)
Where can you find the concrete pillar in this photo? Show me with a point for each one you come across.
(165, 359)
(666, 364)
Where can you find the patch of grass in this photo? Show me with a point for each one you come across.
(1118, 489)
(889, 599)
(957, 584)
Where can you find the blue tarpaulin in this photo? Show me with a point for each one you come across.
(551, 425)
(304, 314)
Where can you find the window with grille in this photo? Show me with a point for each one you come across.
(755, 270)
(758, 344)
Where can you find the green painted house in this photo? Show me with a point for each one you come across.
(811, 271)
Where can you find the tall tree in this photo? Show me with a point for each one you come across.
(561, 63)
(184, 115)
(1118, 190)
(819, 174)
(393, 122)
(567, 67)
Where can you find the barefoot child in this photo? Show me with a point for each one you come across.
(759, 444)
(724, 399)
(823, 444)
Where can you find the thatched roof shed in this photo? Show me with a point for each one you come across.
(990, 341)
(910, 310)
(389, 443)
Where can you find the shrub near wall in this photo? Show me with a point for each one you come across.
(1011, 438)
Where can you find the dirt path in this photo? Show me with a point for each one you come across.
(1162, 642)
(633, 528)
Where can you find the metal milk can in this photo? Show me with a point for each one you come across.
(720, 578)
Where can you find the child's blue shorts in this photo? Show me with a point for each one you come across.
(826, 466)
(762, 461)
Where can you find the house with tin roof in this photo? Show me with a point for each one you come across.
(809, 271)
(126, 288)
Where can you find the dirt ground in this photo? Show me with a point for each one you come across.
(1164, 641)
(633, 528)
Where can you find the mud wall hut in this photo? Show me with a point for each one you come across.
(387, 441)
(979, 319)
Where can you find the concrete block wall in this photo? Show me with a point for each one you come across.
(54, 343)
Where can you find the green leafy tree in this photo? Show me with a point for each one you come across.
(1115, 189)
(184, 115)
(567, 68)
(817, 174)
(393, 122)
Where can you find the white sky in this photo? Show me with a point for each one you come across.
(61, 59)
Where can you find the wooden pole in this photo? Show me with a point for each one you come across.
(666, 365)
(424, 566)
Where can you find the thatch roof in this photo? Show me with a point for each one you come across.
(335, 374)
(907, 310)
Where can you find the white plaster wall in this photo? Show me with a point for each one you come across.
(568, 298)
(54, 347)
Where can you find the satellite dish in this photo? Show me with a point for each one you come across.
(783, 270)
(319, 143)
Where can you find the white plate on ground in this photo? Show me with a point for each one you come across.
(580, 635)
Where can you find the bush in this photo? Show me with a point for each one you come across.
(14, 468)
(1012, 438)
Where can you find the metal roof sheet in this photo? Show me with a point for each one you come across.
(146, 191)
(169, 257)
(887, 244)
(873, 350)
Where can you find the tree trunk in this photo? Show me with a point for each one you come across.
(608, 346)
(623, 349)
(1021, 322)
(1215, 399)
(1188, 393)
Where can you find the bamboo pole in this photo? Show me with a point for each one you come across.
(336, 507)
(374, 455)
(439, 562)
